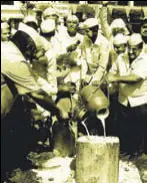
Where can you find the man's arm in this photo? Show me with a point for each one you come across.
(131, 78)
(104, 20)
(45, 101)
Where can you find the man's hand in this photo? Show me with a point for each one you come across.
(71, 87)
(79, 113)
(111, 78)
(113, 88)
(95, 83)
(61, 114)
(83, 83)
(68, 87)
(71, 48)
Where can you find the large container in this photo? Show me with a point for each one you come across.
(97, 159)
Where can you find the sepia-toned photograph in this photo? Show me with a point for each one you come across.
(73, 91)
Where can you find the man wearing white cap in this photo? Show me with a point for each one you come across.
(121, 64)
(47, 31)
(95, 50)
(69, 63)
(45, 67)
(47, 28)
(49, 37)
(120, 43)
(117, 26)
(52, 14)
(119, 46)
(15, 67)
(70, 34)
(71, 48)
(133, 98)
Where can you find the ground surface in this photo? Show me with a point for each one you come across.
(62, 170)
(22, 163)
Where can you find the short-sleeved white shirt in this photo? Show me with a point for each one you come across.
(136, 94)
(17, 69)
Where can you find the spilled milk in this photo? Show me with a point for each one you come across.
(83, 123)
(102, 118)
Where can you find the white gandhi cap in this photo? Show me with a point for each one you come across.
(119, 23)
(48, 12)
(89, 23)
(120, 39)
(135, 39)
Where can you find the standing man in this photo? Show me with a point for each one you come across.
(71, 35)
(72, 50)
(133, 99)
(120, 66)
(95, 51)
(17, 71)
(52, 14)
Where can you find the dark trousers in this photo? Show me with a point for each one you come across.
(132, 128)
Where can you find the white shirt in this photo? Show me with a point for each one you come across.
(136, 94)
(66, 40)
(96, 56)
(16, 68)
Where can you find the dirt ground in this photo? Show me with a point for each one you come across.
(48, 168)
(22, 164)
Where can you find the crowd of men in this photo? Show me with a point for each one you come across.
(50, 63)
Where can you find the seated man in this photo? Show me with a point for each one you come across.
(95, 51)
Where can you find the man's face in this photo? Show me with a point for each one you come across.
(134, 51)
(52, 17)
(116, 31)
(144, 32)
(92, 32)
(144, 29)
(89, 33)
(30, 52)
(121, 48)
(5, 34)
(72, 26)
(62, 71)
